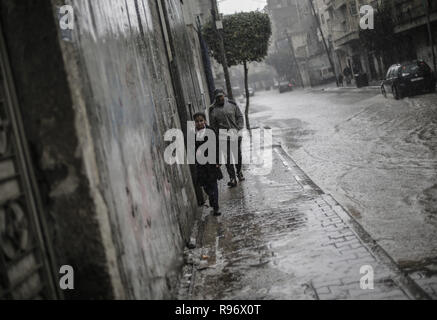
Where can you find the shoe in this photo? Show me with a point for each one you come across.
(233, 183)
(216, 213)
(241, 177)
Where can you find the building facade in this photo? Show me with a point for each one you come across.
(196, 12)
(295, 30)
(414, 22)
(340, 20)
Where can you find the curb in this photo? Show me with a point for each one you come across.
(350, 89)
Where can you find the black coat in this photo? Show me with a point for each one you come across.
(208, 173)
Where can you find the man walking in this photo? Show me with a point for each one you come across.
(225, 114)
(340, 80)
(348, 75)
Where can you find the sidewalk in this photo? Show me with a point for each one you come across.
(332, 87)
(280, 237)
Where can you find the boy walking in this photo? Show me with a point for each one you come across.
(207, 174)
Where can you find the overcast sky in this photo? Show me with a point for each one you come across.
(232, 6)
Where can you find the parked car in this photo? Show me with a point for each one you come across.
(276, 85)
(407, 78)
(285, 86)
(251, 92)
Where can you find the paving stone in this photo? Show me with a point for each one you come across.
(352, 247)
(347, 243)
(323, 290)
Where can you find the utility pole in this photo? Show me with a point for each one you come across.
(427, 5)
(218, 27)
(290, 43)
(328, 53)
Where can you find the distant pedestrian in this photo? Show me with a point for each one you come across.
(340, 80)
(348, 75)
(207, 174)
(225, 114)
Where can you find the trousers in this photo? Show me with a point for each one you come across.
(211, 189)
(234, 167)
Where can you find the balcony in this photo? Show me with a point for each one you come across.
(412, 14)
(339, 3)
(346, 37)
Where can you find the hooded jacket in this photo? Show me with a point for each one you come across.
(208, 173)
(228, 116)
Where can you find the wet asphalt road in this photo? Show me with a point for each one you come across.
(376, 156)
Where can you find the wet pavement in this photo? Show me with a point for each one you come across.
(376, 156)
(281, 237)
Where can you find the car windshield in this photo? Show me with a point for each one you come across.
(414, 67)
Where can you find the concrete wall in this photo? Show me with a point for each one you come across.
(95, 111)
(193, 9)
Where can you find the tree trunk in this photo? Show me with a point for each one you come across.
(225, 66)
(246, 85)
(228, 82)
(224, 61)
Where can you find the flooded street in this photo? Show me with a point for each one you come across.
(281, 237)
(377, 157)
(351, 187)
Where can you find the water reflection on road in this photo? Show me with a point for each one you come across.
(376, 156)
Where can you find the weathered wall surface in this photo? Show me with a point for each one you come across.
(48, 115)
(182, 62)
(96, 121)
(192, 10)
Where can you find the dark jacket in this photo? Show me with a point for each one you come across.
(228, 116)
(208, 173)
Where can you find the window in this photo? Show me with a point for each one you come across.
(415, 67)
(394, 72)
(410, 68)
(389, 73)
(353, 8)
